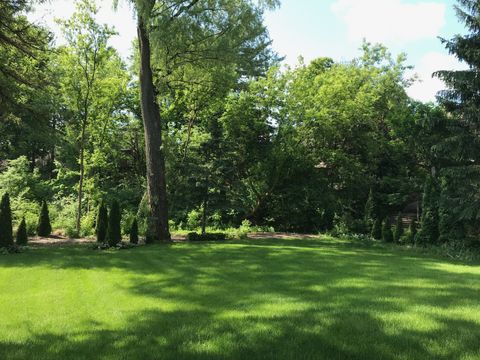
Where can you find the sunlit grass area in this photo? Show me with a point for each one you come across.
(257, 299)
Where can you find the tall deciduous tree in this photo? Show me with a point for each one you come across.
(197, 29)
(86, 53)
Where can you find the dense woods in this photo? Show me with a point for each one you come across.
(204, 128)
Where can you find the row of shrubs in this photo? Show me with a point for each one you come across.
(21, 238)
(382, 230)
(108, 228)
(193, 236)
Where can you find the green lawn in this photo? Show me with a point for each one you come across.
(257, 299)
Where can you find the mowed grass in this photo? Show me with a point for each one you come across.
(257, 299)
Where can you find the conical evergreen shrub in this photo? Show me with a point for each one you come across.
(370, 211)
(102, 223)
(398, 231)
(387, 235)
(44, 228)
(114, 235)
(134, 232)
(22, 236)
(6, 232)
(412, 232)
(377, 229)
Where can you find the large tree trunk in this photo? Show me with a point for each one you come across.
(156, 183)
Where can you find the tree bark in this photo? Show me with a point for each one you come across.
(156, 183)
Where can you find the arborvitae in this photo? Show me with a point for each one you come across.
(44, 228)
(102, 223)
(114, 235)
(398, 231)
(6, 232)
(134, 232)
(22, 236)
(387, 235)
(370, 211)
(377, 229)
(428, 233)
(412, 232)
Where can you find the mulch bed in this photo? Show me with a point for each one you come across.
(59, 240)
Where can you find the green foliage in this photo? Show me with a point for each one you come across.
(412, 233)
(44, 227)
(387, 234)
(114, 235)
(6, 232)
(22, 236)
(20, 182)
(451, 223)
(134, 232)
(429, 232)
(370, 211)
(377, 229)
(102, 222)
(398, 230)
(206, 237)
(194, 218)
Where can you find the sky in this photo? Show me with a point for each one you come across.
(332, 28)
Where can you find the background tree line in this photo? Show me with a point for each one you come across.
(227, 134)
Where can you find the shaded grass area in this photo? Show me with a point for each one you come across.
(257, 299)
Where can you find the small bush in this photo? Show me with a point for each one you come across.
(114, 235)
(387, 235)
(134, 232)
(193, 236)
(22, 236)
(6, 232)
(244, 229)
(87, 224)
(102, 223)
(44, 228)
(194, 219)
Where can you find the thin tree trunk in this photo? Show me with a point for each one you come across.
(82, 175)
(205, 205)
(156, 184)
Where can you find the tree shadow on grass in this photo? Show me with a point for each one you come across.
(274, 299)
(204, 335)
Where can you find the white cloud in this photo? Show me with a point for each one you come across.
(121, 19)
(389, 21)
(427, 87)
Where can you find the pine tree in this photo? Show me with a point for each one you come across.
(6, 232)
(134, 232)
(377, 229)
(387, 235)
(114, 235)
(44, 228)
(398, 231)
(22, 236)
(462, 147)
(102, 223)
